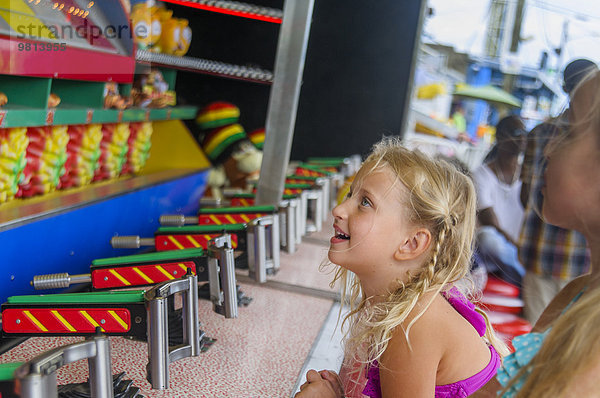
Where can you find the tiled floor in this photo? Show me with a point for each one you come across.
(259, 354)
(302, 267)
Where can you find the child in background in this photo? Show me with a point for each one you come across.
(406, 232)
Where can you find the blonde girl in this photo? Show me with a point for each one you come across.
(406, 232)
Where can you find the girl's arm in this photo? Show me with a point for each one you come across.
(411, 373)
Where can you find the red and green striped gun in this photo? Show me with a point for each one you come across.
(285, 216)
(130, 313)
(259, 239)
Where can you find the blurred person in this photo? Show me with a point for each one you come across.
(560, 357)
(458, 118)
(552, 256)
(500, 213)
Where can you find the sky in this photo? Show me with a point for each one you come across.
(463, 23)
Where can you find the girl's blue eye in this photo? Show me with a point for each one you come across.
(365, 202)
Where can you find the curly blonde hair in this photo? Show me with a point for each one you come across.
(439, 198)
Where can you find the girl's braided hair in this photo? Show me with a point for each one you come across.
(439, 198)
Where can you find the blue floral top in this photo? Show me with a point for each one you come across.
(526, 346)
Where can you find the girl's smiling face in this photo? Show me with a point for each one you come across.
(370, 224)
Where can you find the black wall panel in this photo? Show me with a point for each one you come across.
(356, 77)
(233, 40)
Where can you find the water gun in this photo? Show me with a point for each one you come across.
(261, 248)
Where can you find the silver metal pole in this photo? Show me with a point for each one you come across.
(283, 101)
(275, 245)
(257, 250)
(158, 343)
(221, 276)
(191, 332)
(39, 385)
(38, 376)
(101, 382)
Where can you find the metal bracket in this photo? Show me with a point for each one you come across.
(287, 224)
(38, 376)
(263, 246)
(326, 185)
(160, 355)
(314, 209)
(221, 276)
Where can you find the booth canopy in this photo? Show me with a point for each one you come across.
(488, 93)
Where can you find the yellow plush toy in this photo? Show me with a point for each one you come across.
(185, 37)
(170, 33)
(155, 27)
(141, 22)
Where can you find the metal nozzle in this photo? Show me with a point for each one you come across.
(130, 242)
(210, 202)
(58, 281)
(177, 220)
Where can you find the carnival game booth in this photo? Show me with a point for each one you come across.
(93, 145)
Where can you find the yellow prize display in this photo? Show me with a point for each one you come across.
(139, 147)
(13, 145)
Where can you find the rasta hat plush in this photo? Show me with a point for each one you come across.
(218, 144)
(258, 138)
(217, 114)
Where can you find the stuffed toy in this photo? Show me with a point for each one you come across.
(155, 27)
(141, 21)
(170, 33)
(217, 114)
(257, 137)
(112, 98)
(3, 99)
(185, 38)
(234, 158)
(151, 91)
(53, 100)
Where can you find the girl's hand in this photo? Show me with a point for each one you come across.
(334, 380)
(325, 384)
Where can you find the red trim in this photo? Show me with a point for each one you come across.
(225, 11)
(104, 278)
(209, 219)
(163, 242)
(67, 63)
(14, 320)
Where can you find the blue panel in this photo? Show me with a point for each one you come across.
(477, 75)
(68, 242)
